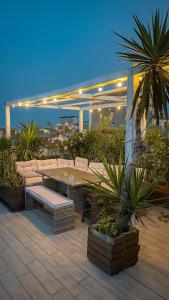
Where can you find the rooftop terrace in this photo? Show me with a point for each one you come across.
(36, 264)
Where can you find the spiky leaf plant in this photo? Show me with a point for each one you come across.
(149, 52)
(138, 196)
(29, 144)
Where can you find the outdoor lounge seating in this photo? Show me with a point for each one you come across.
(61, 207)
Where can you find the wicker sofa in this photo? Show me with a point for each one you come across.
(27, 169)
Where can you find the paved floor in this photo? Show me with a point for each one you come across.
(36, 264)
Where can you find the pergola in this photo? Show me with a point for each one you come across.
(114, 90)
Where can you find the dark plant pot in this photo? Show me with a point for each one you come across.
(13, 198)
(113, 255)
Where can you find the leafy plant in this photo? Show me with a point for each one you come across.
(30, 143)
(92, 144)
(156, 155)
(8, 174)
(130, 198)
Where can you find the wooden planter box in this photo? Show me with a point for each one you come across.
(13, 198)
(114, 255)
(162, 192)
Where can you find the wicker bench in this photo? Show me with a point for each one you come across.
(61, 207)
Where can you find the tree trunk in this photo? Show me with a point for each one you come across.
(138, 144)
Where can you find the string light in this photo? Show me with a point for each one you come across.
(54, 100)
(140, 78)
(27, 104)
(80, 91)
(100, 89)
(20, 104)
(119, 84)
(99, 109)
(44, 101)
(91, 110)
(13, 106)
(118, 107)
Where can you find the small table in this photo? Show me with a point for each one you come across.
(72, 182)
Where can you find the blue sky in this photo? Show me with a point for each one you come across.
(47, 45)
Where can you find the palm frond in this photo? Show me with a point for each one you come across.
(149, 51)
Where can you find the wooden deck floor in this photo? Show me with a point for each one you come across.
(36, 264)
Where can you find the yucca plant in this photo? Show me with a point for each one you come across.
(149, 52)
(29, 144)
(138, 197)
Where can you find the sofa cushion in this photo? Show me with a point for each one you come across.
(63, 163)
(33, 181)
(81, 163)
(47, 164)
(27, 168)
(27, 164)
(98, 167)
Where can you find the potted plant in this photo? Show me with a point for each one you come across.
(113, 242)
(11, 184)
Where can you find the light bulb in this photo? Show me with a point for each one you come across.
(100, 89)
(119, 84)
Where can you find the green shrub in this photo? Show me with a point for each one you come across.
(8, 174)
(156, 156)
(94, 144)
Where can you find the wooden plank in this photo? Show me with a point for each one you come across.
(46, 279)
(14, 288)
(34, 288)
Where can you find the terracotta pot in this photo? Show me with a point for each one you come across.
(113, 254)
(13, 198)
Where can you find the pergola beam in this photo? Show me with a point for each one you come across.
(104, 105)
(50, 107)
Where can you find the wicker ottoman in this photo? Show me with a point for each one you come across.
(61, 207)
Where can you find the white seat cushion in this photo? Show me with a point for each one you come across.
(81, 163)
(63, 163)
(47, 164)
(48, 197)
